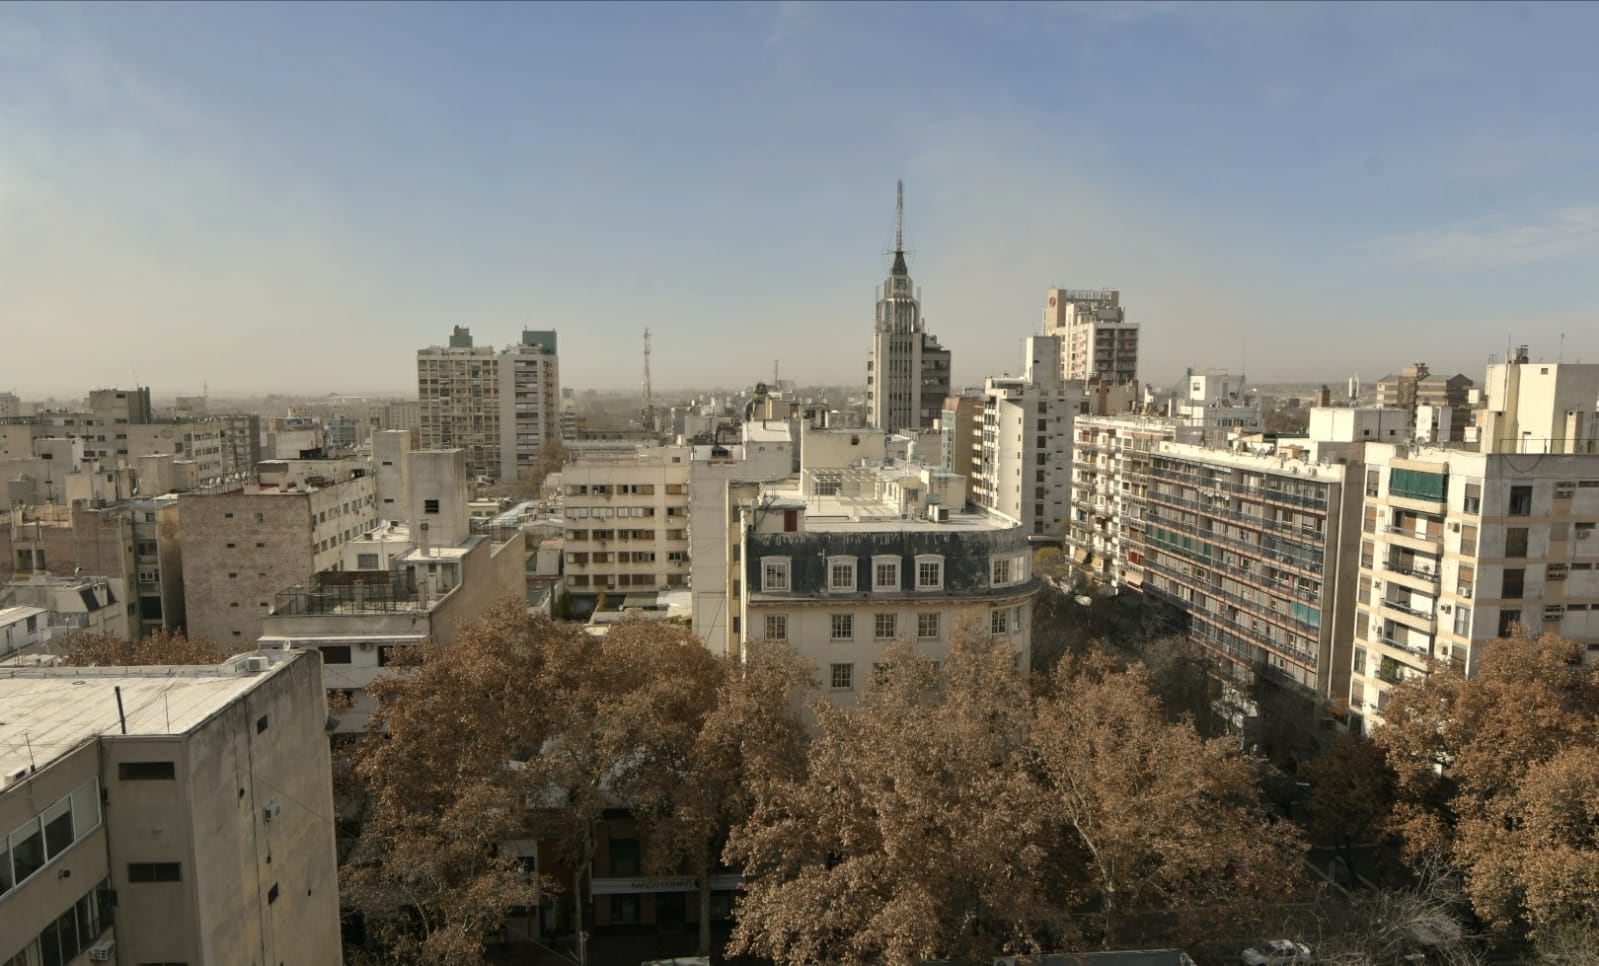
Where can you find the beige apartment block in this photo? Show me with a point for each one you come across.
(626, 519)
(502, 408)
(242, 546)
(1459, 548)
(1023, 450)
(167, 815)
(1099, 344)
(1538, 407)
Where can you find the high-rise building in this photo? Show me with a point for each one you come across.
(458, 395)
(500, 407)
(1259, 552)
(530, 401)
(167, 814)
(907, 378)
(1110, 492)
(1100, 344)
(1023, 452)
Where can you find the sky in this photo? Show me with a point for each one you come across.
(297, 197)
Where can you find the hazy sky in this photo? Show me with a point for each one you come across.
(297, 197)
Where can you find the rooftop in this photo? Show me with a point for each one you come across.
(16, 615)
(842, 514)
(46, 713)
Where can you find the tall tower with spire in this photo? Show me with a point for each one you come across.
(908, 375)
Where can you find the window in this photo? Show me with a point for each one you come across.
(841, 573)
(1001, 571)
(884, 627)
(1520, 501)
(335, 653)
(927, 626)
(1514, 583)
(430, 506)
(1462, 621)
(774, 573)
(261, 724)
(1515, 541)
(929, 573)
(843, 627)
(155, 872)
(272, 894)
(366, 561)
(777, 627)
(57, 821)
(842, 676)
(885, 574)
(998, 621)
(1509, 622)
(27, 850)
(143, 771)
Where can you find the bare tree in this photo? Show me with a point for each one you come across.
(89, 649)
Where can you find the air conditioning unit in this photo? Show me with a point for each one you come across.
(271, 811)
(1584, 534)
(365, 645)
(101, 952)
(1445, 608)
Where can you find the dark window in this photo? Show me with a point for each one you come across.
(1513, 584)
(155, 872)
(272, 894)
(1516, 541)
(137, 771)
(430, 506)
(624, 857)
(27, 853)
(335, 653)
(261, 724)
(58, 833)
(1520, 501)
(1509, 622)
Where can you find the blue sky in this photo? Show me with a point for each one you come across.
(297, 197)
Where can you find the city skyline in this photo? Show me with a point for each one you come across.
(298, 198)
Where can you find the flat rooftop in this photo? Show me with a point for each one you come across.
(844, 514)
(46, 713)
(16, 615)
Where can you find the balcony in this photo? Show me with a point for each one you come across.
(1405, 537)
(1425, 576)
(1409, 616)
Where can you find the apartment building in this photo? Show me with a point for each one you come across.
(626, 516)
(1536, 407)
(1213, 407)
(1459, 548)
(1023, 453)
(959, 422)
(1111, 455)
(530, 402)
(242, 546)
(500, 407)
(167, 815)
(841, 562)
(398, 585)
(1260, 553)
(765, 453)
(1098, 342)
(908, 375)
(1443, 400)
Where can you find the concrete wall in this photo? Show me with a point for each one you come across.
(267, 747)
(438, 479)
(389, 453)
(238, 550)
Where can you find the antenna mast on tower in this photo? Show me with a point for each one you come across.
(649, 394)
(899, 216)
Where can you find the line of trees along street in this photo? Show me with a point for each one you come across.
(952, 812)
